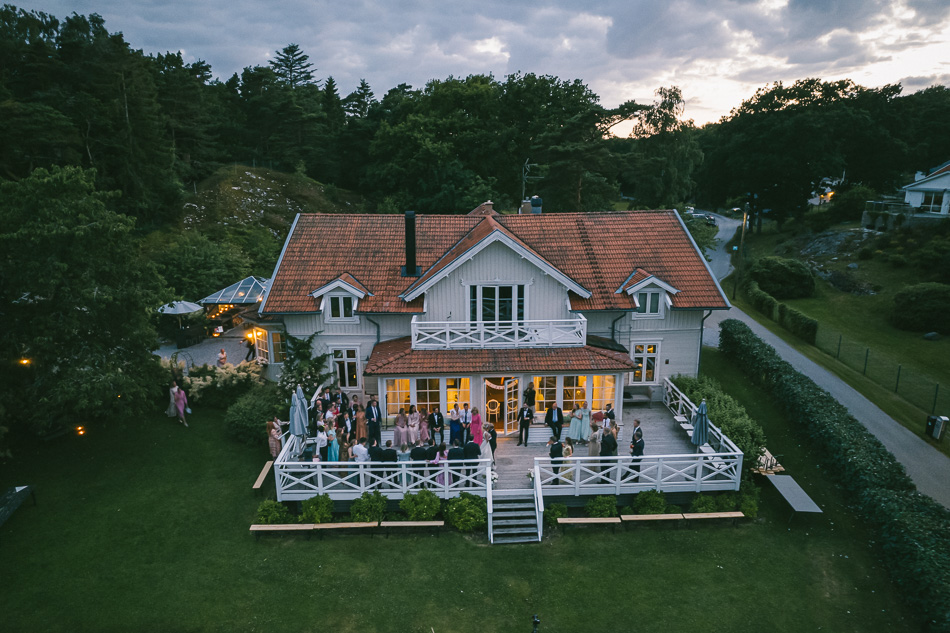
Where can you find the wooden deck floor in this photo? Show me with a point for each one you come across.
(513, 462)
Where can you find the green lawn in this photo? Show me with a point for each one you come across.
(142, 526)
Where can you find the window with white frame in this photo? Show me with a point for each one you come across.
(279, 346)
(574, 392)
(347, 365)
(545, 388)
(497, 304)
(456, 392)
(397, 395)
(933, 201)
(603, 390)
(261, 345)
(428, 393)
(644, 356)
(340, 308)
(649, 304)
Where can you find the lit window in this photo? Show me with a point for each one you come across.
(428, 393)
(602, 392)
(545, 388)
(397, 395)
(644, 357)
(456, 392)
(575, 391)
(347, 367)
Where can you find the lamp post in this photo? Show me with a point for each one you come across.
(735, 283)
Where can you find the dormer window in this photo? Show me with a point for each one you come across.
(340, 308)
(649, 304)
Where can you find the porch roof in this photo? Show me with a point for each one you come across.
(396, 357)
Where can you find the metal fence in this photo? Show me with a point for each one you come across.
(917, 388)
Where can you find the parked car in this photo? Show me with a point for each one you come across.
(710, 219)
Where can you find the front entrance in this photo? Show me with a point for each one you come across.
(501, 404)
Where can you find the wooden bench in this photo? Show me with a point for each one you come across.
(257, 528)
(436, 525)
(735, 516)
(651, 517)
(565, 521)
(321, 528)
(260, 478)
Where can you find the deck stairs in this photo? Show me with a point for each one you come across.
(515, 517)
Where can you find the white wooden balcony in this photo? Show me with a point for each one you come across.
(507, 334)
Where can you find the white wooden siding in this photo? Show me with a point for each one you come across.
(448, 300)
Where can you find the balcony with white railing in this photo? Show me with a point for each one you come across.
(503, 334)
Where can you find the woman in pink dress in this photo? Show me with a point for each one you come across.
(401, 430)
(440, 457)
(476, 426)
(414, 419)
(181, 403)
(423, 425)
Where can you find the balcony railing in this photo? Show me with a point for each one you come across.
(484, 334)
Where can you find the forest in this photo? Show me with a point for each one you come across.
(104, 146)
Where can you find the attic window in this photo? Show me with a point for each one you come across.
(649, 305)
(340, 308)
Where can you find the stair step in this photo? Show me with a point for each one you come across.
(502, 514)
(525, 522)
(512, 506)
(502, 540)
(527, 529)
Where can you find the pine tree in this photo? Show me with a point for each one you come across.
(358, 102)
(293, 67)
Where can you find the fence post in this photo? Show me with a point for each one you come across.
(898, 383)
(866, 353)
(933, 409)
(838, 353)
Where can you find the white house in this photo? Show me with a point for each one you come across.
(438, 309)
(929, 194)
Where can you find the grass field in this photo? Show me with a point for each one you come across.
(142, 526)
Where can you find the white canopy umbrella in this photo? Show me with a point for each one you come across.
(179, 308)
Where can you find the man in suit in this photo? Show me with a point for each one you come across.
(465, 419)
(326, 399)
(554, 418)
(472, 451)
(525, 416)
(608, 445)
(437, 424)
(388, 456)
(373, 421)
(610, 418)
(636, 450)
(556, 452)
(530, 397)
(455, 454)
(493, 439)
(375, 451)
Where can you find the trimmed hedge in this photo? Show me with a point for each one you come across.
(922, 308)
(911, 527)
(761, 300)
(799, 324)
(783, 278)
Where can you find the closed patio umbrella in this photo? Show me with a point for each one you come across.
(700, 426)
(298, 416)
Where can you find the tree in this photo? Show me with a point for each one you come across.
(293, 67)
(79, 302)
(304, 367)
(195, 266)
(358, 102)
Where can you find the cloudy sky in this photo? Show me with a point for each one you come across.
(717, 51)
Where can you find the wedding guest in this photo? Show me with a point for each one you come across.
(273, 436)
(401, 430)
(437, 424)
(360, 452)
(423, 425)
(181, 402)
(222, 358)
(455, 424)
(414, 418)
(361, 430)
(465, 420)
(322, 442)
(569, 469)
(477, 431)
(486, 446)
(333, 446)
(375, 451)
(440, 456)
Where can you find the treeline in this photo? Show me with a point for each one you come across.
(153, 126)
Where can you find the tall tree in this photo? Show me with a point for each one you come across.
(78, 301)
(293, 67)
(358, 102)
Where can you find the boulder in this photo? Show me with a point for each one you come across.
(853, 266)
(932, 336)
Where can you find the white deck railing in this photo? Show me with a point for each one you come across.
(482, 334)
(677, 402)
(297, 481)
(538, 501)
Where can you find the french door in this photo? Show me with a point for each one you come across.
(511, 406)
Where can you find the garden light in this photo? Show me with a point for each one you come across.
(25, 361)
(80, 430)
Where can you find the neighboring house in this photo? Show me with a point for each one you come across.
(439, 309)
(929, 194)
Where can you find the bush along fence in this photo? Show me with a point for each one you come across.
(912, 528)
(916, 388)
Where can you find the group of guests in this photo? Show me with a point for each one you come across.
(601, 442)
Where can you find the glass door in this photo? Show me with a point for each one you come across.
(511, 406)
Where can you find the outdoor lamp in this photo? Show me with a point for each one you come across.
(24, 361)
(81, 430)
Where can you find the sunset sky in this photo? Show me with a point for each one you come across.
(717, 51)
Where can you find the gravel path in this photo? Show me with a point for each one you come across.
(928, 467)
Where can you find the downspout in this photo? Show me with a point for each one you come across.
(701, 325)
(613, 328)
(377, 329)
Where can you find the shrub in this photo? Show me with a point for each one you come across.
(271, 512)
(910, 526)
(749, 501)
(220, 386)
(865, 253)
(761, 300)
(726, 501)
(552, 513)
(798, 323)
(422, 506)
(246, 419)
(897, 261)
(922, 308)
(783, 278)
(650, 502)
(466, 513)
(603, 506)
(317, 509)
(703, 503)
(370, 506)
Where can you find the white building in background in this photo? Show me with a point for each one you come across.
(929, 194)
(438, 309)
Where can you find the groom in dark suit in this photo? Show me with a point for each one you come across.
(373, 420)
(554, 418)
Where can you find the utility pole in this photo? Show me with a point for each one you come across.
(735, 284)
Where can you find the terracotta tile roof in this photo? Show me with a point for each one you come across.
(599, 251)
(396, 357)
(348, 279)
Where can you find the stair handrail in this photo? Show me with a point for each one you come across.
(538, 500)
(491, 533)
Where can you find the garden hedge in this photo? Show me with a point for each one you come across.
(783, 278)
(798, 323)
(761, 300)
(911, 528)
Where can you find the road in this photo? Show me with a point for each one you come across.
(928, 467)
